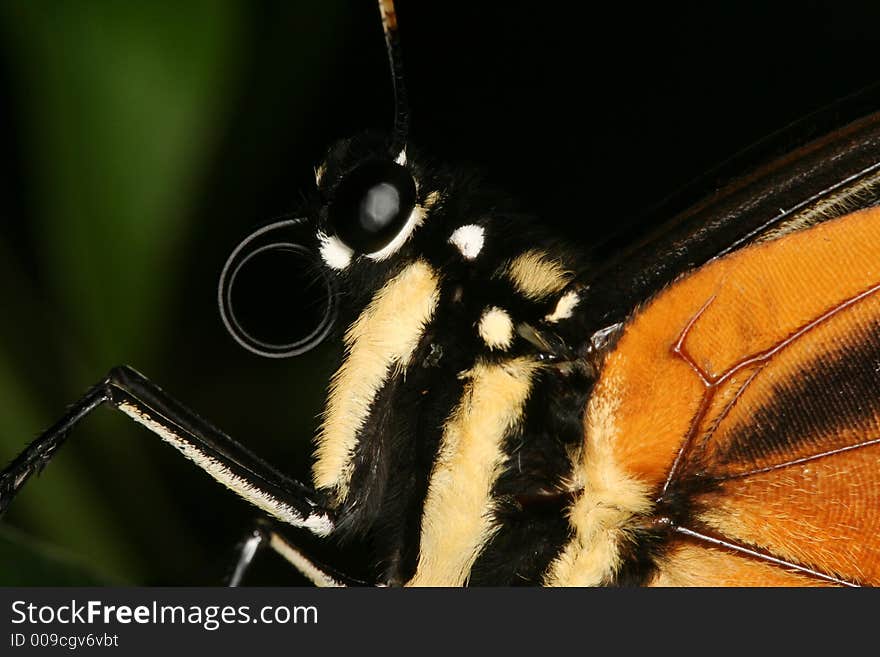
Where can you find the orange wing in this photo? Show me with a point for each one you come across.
(746, 398)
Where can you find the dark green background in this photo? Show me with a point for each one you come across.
(143, 140)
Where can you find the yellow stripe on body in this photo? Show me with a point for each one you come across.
(601, 515)
(457, 518)
(379, 343)
(536, 275)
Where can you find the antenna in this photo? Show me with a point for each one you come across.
(401, 106)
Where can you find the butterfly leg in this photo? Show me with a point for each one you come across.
(265, 535)
(228, 462)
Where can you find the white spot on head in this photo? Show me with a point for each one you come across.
(496, 328)
(468, 240)
(401, 158)
(334, 251)
(564, 307)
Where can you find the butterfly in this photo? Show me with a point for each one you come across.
(562, 333)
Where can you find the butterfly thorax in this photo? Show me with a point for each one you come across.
(453, 421)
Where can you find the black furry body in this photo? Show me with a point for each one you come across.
(399, 442)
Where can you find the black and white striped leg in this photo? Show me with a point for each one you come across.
(220, 456)
(266, 536)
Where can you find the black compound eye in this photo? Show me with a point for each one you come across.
(371, 205)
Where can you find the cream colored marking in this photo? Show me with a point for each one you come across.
(468, 240)
(302, 563)
(334, 251)
(457, 518)
(535, 275)
(431, 200)
(415, 219)
(319, 173)
(318, 524)
(496, 328)
(608, 502)
(564, 307)
(378, 343)
(401, 157)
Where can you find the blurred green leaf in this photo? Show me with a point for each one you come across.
(121, 101)
(40, 564)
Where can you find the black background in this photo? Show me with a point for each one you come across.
(590, 116)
